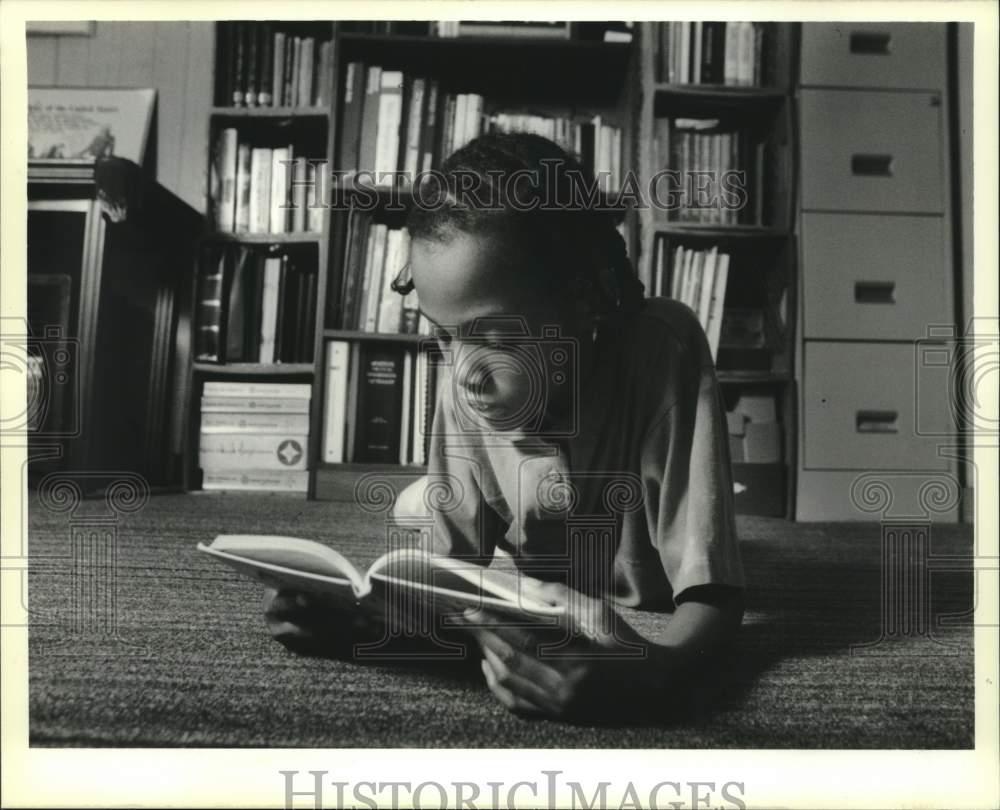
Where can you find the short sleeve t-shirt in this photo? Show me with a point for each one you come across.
(632, 501)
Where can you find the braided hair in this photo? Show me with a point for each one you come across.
(528, 190)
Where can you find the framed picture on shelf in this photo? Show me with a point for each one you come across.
(80, 124)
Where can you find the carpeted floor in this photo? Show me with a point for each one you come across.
(194, 666)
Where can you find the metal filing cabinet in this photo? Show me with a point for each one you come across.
(876, 433)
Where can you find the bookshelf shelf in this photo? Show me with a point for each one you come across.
(721, 232)
(271, 112)
(722, 93)
(384, 337)
(254, 369)
(750, 377)
(309, 237)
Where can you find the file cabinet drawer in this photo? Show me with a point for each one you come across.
(871, 277)
(891, 56)
(861, 406)
(871, 151)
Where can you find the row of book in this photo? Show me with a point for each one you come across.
(254, 306)
(265, 67)
(254, 436)
(374, 256)
(379, 403)
(698, 278)
(393, 122)
(729, 53)
(252, 189)
(732, 161)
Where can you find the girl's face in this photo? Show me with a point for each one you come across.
(514, 352)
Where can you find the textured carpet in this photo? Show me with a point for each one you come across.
(192, 664)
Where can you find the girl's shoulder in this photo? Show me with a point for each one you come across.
(666, 327)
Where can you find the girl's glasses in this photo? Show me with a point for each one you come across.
(403, 282)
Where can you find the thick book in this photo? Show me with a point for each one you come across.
(380, 404)
(269, 310)
(256, 480)
(256, 422)
(445, 586)
(220, 388)
(253, 404)
(252, 451)
(278, 217)
(241, 222)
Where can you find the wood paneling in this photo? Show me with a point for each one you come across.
(175, 58)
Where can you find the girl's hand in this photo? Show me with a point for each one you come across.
(592, 665)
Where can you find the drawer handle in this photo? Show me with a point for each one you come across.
(871, 42)
(874, 292)
(872, 165)
(876, 421)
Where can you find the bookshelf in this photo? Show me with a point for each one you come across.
(762, 252)
(575, 78)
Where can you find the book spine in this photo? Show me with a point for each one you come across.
(369, 120)
(335, 425)
(306, 67)
(379, 404)
(264, 98)
(324, 74)
(225, 169)
(218, 388)
(350, 132)
(241, 404)
(256, 480)
(373, 279)
(228, 57)
(428, 137)
(236, 304)
(405, 409)
(260, 190)
(209, 308)
(253, 66)
(414, 126)
(269, 309)
(237, 422)
(387, 128)
(240, 64)
(288, 92)
(241, 214)
(278, 216)
(390, 312)
(278, 70)
(239, 451)
(419, 408)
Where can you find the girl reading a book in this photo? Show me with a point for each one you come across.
(579, 431)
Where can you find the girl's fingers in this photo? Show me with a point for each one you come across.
(521, 686)
(511, 701)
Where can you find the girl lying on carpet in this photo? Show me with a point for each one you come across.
(580, 430)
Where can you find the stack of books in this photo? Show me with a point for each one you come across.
(375, 253)
(255, 436)
(729, 53)
(264, 67)
(393, 122)
(254, 306)
(252, 189)
(732, 159)
(698, 278)
(379, 403)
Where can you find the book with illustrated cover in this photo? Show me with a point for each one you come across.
(446, 585)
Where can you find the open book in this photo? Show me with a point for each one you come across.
(401, 579)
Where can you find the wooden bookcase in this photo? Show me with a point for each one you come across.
(562, 77)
